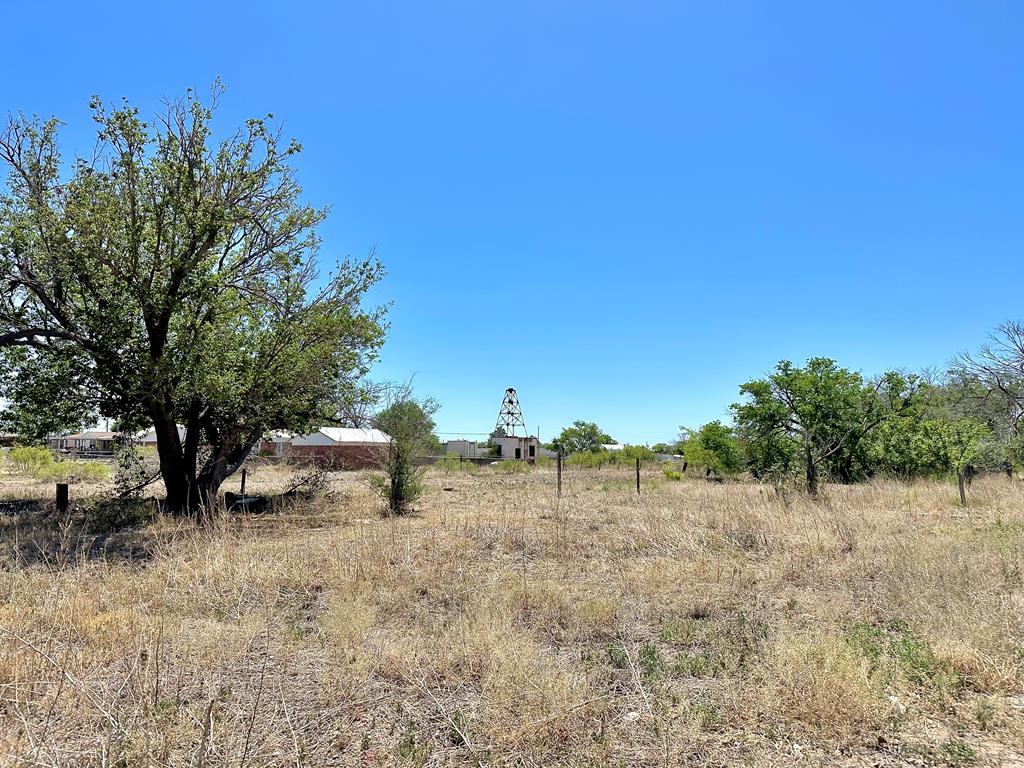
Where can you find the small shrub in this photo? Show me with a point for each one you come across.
(956, 753)
(402, 481)
(454, 463)
(74, 472)
(617, 657)
(589, 459)
(672, 474)
(700, 665)
(29, 459)
(511, 467)
(952, 753)
(710, 646)
(895, 651)
(652, 664)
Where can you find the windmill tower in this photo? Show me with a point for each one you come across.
(510, 416)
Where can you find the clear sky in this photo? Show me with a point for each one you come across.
(624, 210)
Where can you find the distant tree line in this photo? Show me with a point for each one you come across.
(822, 422)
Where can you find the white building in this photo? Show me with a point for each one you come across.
(466, 449)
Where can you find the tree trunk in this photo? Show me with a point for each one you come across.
(812, 471)
(178, 477)
(960, 484)
(224, 461)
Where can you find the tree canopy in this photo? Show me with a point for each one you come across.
(581, 437)
(715, 448)
(170, 279)
(821, 413)
(411, 421)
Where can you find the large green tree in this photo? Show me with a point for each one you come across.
(581, 437)
(822, 413)
(174, 277)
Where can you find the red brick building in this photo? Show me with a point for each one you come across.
(341, 448)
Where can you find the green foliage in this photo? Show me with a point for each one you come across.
(589, 459)
(511, 467)
(672, 474)
(409, 422)
(652, 663)
(715, 448)
(950, 446)
(29, 459)
(893, 650)
(74, 472)
(134, 466)
(629, 454)
(711, 647)
(453, 463)
(59, 383)
(673, 449)
(820, 416)
(989, 386)
(957, 753)
(173, 280)
(581, 437)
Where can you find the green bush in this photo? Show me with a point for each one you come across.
(511, 466)
(589, 459)
(628, 456)
(672, 474)
(73, 472)
(452, 463)
(29, 459)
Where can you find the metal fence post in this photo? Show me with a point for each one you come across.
(241, 490)
(638, 477)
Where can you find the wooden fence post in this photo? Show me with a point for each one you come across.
(62, 497)
(558, 471)
(638, 477)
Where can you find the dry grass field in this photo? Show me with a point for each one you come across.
(699, 624)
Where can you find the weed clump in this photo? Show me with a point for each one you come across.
(901, 657)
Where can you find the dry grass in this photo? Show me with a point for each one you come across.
(699, 624)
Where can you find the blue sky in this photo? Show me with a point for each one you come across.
(622, 209)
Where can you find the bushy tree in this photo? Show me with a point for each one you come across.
(627, 457)
(674, 449)
(715, 448)
(409, 423)
(955, 446)
(821, 413)
(175, 278)
(581, 437)
(413, 418)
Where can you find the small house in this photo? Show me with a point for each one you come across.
(90, 441)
